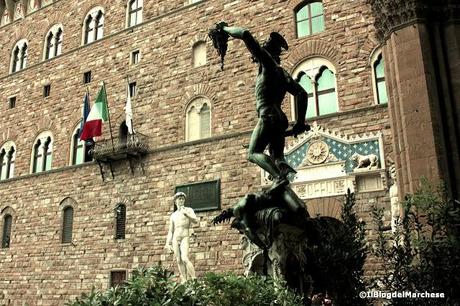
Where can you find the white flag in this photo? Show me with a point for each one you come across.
(129, 113)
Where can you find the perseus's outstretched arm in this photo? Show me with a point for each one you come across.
(251, 43)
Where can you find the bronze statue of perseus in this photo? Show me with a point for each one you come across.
(272, 84)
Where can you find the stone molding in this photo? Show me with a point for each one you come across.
(391, 15)
(67, 201)
(8, 210)
(313, 48)
(200, 37)
(198, 91)
(293, 4)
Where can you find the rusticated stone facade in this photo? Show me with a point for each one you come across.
(36, 268)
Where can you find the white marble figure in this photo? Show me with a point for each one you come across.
(365, 161)
(396, 212)
(178, 239)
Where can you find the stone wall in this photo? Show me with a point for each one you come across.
(37, 269)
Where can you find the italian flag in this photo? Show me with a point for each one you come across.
(99, 113)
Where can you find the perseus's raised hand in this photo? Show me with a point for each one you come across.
(220, 25)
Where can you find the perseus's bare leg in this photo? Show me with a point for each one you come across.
(258, 143)
(181, 264)
(184, 248)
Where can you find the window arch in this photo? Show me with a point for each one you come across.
(79, 149)
(6, 230)
(7, 158)
(309, 17)
(199, 54)
(93, 25)
(319, 82)
(67, 224)
(53, 42)
(135, 8)
(42, 153)
(378, 78)
(120, 221)
(19, 56)
(198, 119)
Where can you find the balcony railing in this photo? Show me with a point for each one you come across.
(134, 145)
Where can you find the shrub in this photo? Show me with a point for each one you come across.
(423, 255)
(155, 286)
(338, 259)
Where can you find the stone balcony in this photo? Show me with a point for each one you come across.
(131, 146)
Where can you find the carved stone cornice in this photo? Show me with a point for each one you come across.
(391, 15)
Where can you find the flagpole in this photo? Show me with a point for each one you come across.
(108, 112)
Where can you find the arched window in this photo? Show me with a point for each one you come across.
(120, 221)
(89, 30)
(19, 56)
(49, 46)
(198, 119)
(123, 133)
(37, 157)
(94, 25)
(99, 25)
(42, 153)
(379, 80)
(326, 97)
(309, 18)
(6, 233)
(134, 12)
(58, 42)
(7, 157)
(67, 224)
(47, 154)
(199, 54)
(53, 43)
(319, 82)
(80, 149)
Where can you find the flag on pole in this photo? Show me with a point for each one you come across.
(129, 113)
(98, 114)
(84, 112)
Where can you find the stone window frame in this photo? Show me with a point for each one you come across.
(43, 138)
(19, 55)
(12, 102)
(66, 203)
(195, 50)
(135, 54)
(117, 213)
(198, 102)
(96, 19)
(55, 35)
(9, 164)
(7, 211)
(375, 56)
(73, 149)
(140, 8)
(110, 284)
(300, 6)
(313, 67)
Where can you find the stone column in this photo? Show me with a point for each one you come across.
(421, 44)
